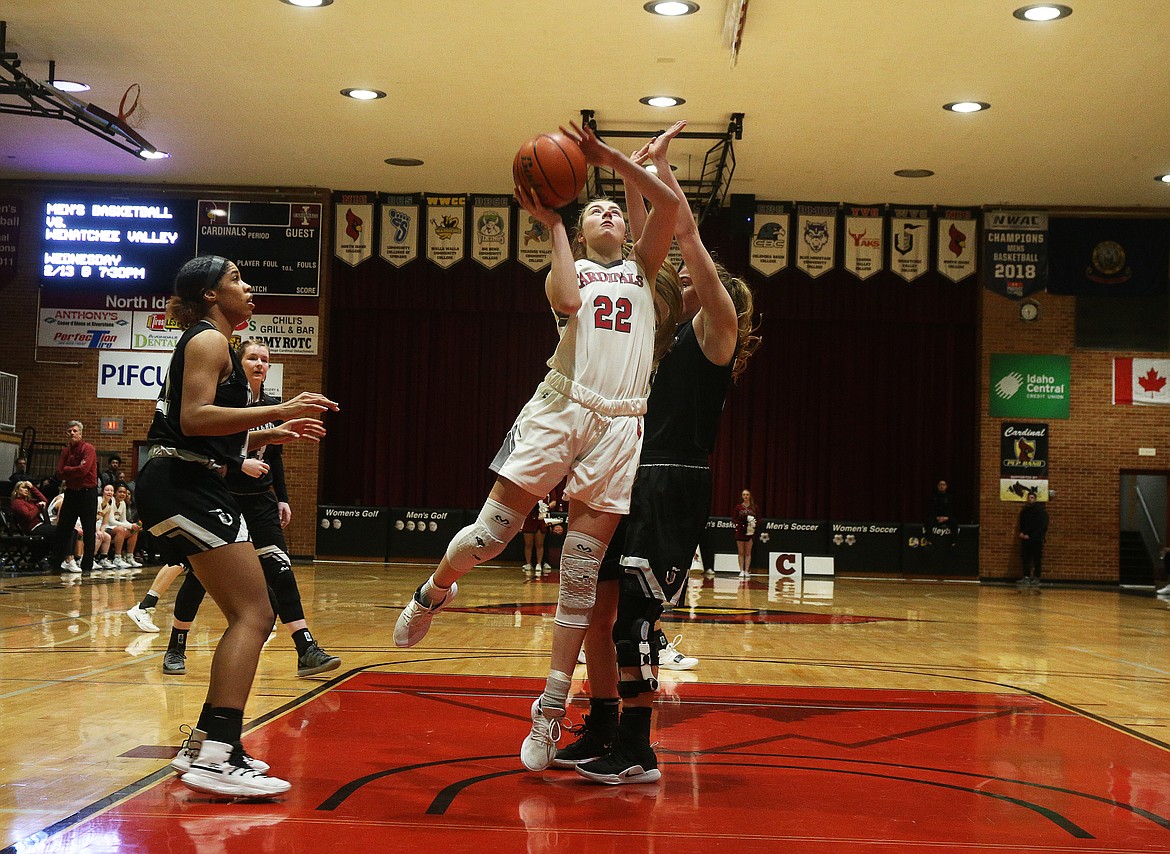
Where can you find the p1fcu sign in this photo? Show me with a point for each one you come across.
(132, 375)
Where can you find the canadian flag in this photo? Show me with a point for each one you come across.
(1141, 381)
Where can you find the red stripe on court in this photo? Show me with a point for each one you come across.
(416, 762)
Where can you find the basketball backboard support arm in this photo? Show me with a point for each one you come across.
(23, 96)
(705, 193)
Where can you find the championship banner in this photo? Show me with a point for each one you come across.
(1141, 382)
(533, 243)
(446, 228)
(769, 249)
(353, 227)
(816, 238)
(1015, 252)
(864, 240)
(1109, 257)
(492, 216)
(956, 243)
(9, 238)
(398, 243)
(909, 242)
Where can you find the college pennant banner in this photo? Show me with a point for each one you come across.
(1109, 257)
(816, 238)
(864, 240)
(533, 243)
(446, 228)
(956, 243)
(769, 249)
(909, 242)
(490, 242)
(353, 227)
(1140, 382)
(1015, 252)
(399, 232)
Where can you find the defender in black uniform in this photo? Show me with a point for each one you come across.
(263, 499)
(200, 426)
(669, 506)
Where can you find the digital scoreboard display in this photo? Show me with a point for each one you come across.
(116, 243)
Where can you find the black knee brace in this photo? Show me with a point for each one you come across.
(189, 598)
(283, 592)
(633, 636)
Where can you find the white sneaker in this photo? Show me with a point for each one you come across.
(527, 569)
(70, 565)
(134, 562)
(142, 619)
(547, 569)
(104, 563)
(581, 657)
(415, 620)
(671, 659)
(221, 769)
(1163, 591)
(189, 752)
(540, 745)
(120, 562)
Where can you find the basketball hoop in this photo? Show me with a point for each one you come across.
(131, 109)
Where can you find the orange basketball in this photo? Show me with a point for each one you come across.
(551, 165)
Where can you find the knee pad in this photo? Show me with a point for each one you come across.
(634, 636)
(484, 538)
(580, 563)
(283, 592)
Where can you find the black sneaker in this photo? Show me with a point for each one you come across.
(174, 662)
(590, 744)
(625, 763)
(316, 660)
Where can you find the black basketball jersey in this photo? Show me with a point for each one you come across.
(243, 484)
(166, 428)
(686, 400)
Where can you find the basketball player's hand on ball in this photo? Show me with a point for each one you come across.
(596, 152)
(532, 204)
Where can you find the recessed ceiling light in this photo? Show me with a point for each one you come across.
(662, 100)
(1165, 179)
(403, 161)
(914, 173)
(153, 155)
(308, 4)
(363, 94)
(671, 8)
(967, 106)
(1042, 12)
(69, 85)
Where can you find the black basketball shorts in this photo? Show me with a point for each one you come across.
(187, 506)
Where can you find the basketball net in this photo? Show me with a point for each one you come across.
(131, 109)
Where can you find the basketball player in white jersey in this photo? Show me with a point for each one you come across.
(584, 422)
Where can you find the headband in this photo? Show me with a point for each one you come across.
(214, 271)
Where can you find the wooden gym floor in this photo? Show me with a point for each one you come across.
(861, 715)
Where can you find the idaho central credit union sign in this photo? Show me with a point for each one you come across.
(1028, 386)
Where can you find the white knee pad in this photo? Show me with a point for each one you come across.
(484, 538)
(580, 562)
